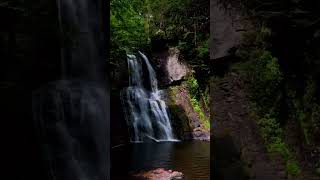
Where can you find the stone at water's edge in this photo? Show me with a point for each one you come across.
(201, 134)
(160, 174)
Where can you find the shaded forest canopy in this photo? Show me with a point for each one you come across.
(153, 26)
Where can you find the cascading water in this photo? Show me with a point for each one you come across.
(146, 112)
(71, 114)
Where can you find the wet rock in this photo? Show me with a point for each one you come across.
(198, 129)
(197, 134)
(160, 174)
(201, 135)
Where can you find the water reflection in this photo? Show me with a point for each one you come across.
(190, 158)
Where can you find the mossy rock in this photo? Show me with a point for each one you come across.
(180, 120)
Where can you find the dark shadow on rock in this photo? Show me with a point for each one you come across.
(180, 122)
(118, 124)
(221, 66)
(226, 160)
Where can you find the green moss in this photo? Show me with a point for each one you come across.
(194, 93)
(172, 91)
(293, 168)
(180, 120)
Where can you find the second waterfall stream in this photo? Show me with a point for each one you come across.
(146, 111)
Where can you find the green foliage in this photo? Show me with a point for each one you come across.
(127, 28)
(180, 19)
(138, 24)
(157, 24)
(270, 129)
(265, 74)
(265, 78)
(261, 69)
(206, 98)
(195, 94)
(194, 102)
(295, 33)
(272, 134)
(279, 147)
(293, 168)
(193, 87)
(307, 111)
(185, 24)
(296, 22)
(203, 50)
(202, 116)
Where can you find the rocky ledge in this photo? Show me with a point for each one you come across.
(198, 134)
(159, 174)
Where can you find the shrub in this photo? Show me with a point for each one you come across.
(206, 98)
(280, 147)
(194, 93)
(266, 79)
(193, 87)
(203, 50)
(269, 128)
(293, 168)
(272, 134)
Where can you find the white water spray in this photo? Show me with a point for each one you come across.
(146, 112)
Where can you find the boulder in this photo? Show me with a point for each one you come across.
(160, 174)
(171, 67)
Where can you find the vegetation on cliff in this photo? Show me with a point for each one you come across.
(155, 26)
(280, 60)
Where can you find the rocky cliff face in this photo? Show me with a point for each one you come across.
(227, 24)
(173, 72)
(171, 67)
(185, 120)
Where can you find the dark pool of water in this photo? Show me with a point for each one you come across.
(191, 158)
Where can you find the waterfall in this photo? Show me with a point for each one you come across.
(146, 112)
(71, 114)
(80, 24)
(71, 117)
